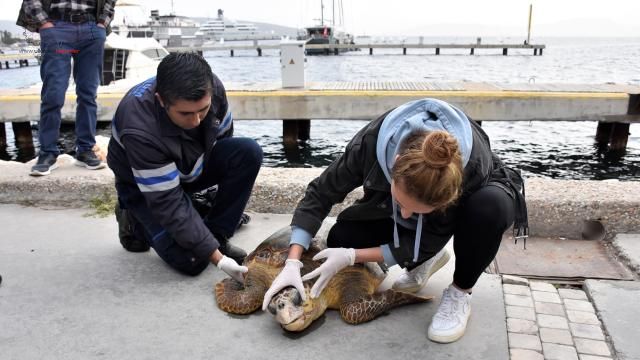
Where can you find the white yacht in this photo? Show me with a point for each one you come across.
(131, 20)
(130, 58)
(227, 29)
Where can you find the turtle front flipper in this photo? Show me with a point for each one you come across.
(369, 307)
(235, 298)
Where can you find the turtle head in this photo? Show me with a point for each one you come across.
(292, 312)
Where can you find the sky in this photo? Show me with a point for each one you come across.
(421, 17)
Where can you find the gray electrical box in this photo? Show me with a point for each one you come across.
(292, 63)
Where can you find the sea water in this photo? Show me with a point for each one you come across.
(548, 149)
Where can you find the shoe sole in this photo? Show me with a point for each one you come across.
(97, 167)
(446, 339)
(43, 173)
(442, 261)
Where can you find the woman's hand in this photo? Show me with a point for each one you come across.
(336, 260)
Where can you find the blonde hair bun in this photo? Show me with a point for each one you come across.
(439, 148)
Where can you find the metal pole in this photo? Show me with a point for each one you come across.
(529, 28)
(321, 13)
(333, 15)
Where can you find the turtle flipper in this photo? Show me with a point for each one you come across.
(369, 307)
(235, 298)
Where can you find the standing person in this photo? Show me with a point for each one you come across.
(428, 173)
(172, 138)
(68, 29)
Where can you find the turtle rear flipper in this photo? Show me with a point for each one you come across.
(235, 298)
(369, 307)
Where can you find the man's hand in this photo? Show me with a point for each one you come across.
(46, 25)
(232, 268)
(289, 276)
(336, 260)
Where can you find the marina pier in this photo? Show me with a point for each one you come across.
(336, 48)
(613, 106)
(8, 61)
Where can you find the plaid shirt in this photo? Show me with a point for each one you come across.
(62, 7)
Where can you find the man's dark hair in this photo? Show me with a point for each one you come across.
(185, 76)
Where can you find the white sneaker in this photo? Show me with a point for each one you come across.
(450, 321)
(416, 279)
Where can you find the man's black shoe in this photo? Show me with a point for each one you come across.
(244, 220)
(126, 233)
(46, 162)
(89, 160)
(229, 250)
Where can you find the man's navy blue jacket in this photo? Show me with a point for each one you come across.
(148, 152)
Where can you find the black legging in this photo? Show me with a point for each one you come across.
(481, 219)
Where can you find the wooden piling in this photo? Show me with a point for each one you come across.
(3, 136)
(603, 133)
(231, 53)
(619, 137)
(294, 130)
(336, 51)
(472, 50)
(404, 51)
(370, 51)
(259, 52)
(437, 51)
(22, 132)
(504, 51)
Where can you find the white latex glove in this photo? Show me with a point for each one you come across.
(336, 260)
(232, 268)
(289, 276)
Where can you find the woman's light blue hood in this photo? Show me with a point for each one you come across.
(419, 115)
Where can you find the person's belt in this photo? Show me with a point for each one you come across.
(75, 18)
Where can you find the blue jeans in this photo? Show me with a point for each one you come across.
(59, 44)
(233, 166)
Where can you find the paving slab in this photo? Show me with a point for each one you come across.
(70, 291)
(628, 245)
(616, 303)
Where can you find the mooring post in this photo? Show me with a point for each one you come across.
(370, 51)
(231, 53)
(535, 51)
(540, 52)
(3, 135)
(6, 64)
(22, 132)
(437, 51)
(404, 51)
(336, 51)
(472, 49)
(504, 51)
(259, 52)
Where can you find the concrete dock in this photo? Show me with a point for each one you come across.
(367, 100)
(71, 292)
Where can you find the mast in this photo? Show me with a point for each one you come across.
(333, 14)
(529, 28)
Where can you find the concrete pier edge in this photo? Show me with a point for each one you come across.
(557, 208)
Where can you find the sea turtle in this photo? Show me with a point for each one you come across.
(351, 291)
